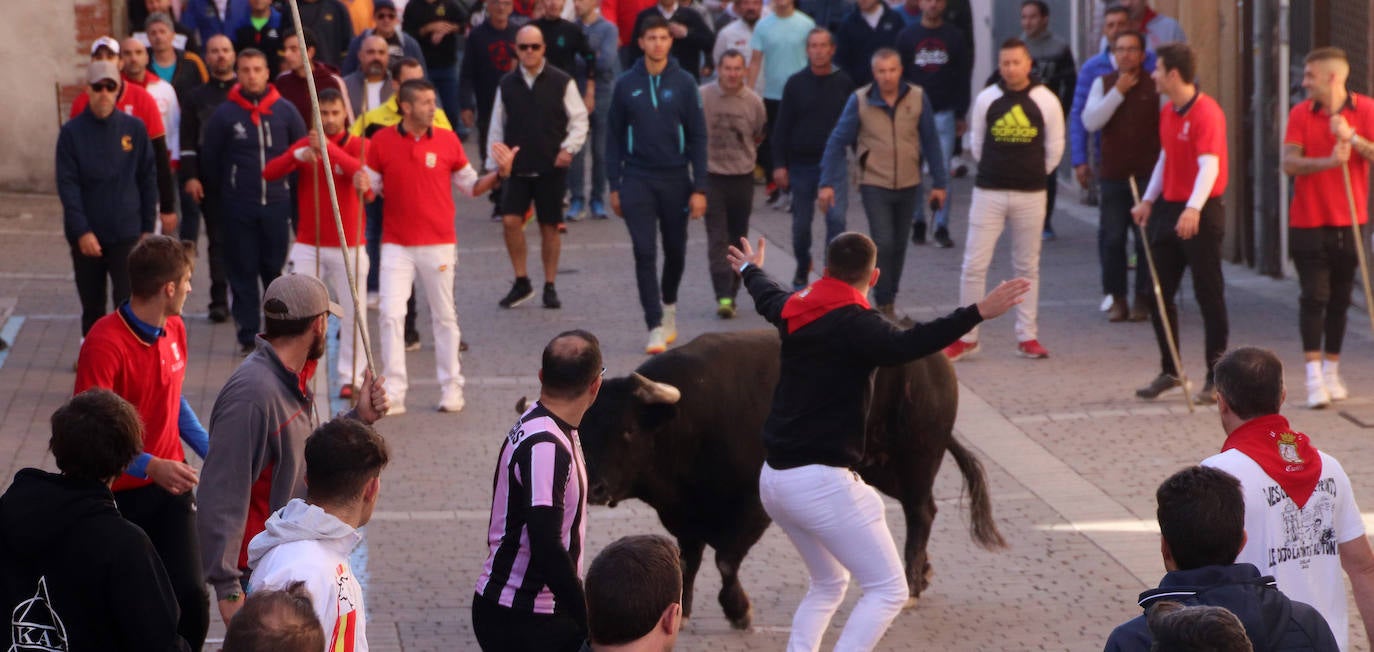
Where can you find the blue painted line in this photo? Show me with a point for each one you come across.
(10, 333)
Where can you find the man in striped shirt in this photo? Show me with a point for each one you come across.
(529, 596)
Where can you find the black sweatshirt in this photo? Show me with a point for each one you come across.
(196, 110)
(689, 50)
(811, 105)
(564, 44)
(489, 56)
(820, 406)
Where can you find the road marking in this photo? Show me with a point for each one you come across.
(36, 276)
(9, 334)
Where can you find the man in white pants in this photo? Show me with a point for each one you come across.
(416, 167)
(1017, 134)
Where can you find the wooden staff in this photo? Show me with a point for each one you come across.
(1160, 305)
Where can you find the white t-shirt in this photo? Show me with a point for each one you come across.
(735, 36)
(1299, 546)
(374, 92)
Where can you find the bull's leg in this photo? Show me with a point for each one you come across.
(691, 550)
(732, 597)
(920, 514)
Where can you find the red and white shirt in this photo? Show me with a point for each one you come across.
(416, 174)
(1319, 198)
(1197, 129)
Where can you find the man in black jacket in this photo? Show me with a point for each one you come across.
(196, 110)
(832, 342)
(1202, 524)
(73, 573)
(692, 37)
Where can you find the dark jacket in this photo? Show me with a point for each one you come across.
(238, 143)
(490, 54)
(939, 61)
(406, 46)
(106, 178)
(1272, 621)
(688, 51)
(855, 41)
(189, 73)
(820, 404)
(332, 25)
(268, 40)
(811, 105)
(656, 125)
(69, 560)
(196, 110)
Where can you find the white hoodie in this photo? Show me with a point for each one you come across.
(304, 543)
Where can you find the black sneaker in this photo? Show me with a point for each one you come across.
(551, 297)
(219, 314)
(520, 292)
(412, 340)
(918, 233)
(800, 280)
(942, 238)
(1162, 383)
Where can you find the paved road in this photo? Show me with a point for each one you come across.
(1073, 458)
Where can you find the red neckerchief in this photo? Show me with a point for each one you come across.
(307, 372)
(818, 300)
(259, 109)
(1286, 456)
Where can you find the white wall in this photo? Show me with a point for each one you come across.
(37, 46)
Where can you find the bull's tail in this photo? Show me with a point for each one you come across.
(982, 527)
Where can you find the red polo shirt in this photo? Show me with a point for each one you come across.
(345, 152)
(1319, 198)
(417, 185)
(1200, 128)
(133, 100)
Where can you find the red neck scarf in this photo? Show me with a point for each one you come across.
(1286, 456)
(263, 105)
(818, 300)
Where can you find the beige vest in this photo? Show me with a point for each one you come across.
(889, 148)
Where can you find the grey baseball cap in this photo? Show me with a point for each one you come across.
(298, 296)
(102, 71)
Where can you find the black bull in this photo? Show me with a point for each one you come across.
(683, 435)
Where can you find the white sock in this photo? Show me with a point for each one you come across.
(670, 308)
(1330, 367)
(1314, 370)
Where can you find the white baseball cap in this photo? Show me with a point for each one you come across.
(107, 42)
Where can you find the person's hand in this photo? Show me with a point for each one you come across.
(960, 127)
(468, 117)
(589, 99)
(1341, 129)
(175, 477)
(1188, 223)
(195, 190)
(505, 157)
(169, 223)
(1083, 173)
(1141, 212)
(227, 608)
(1340, 153)
(361, 182)
(780, 178)
(615, 204)
(437, 35)
(825, 198)
(88, 245)
(373, 402)
(1003, 297)
(696, 206)
(678, 30)
(745, 254)
(306, 155)
(1126, 81)
(937, 197)
(563, 160)
(316, 142)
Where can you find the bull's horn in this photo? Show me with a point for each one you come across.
(521, 404)
(651, 391)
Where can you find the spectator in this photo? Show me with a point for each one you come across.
(61, 595)
(253, 126)
(566, 46)
(181, 68)
(133, 65)
(258, 428)
(1201, 516)
(332, 26)
(1197, 629)
(870, 25)
(399, 45)
(438, 25)
(291, 82)
(1054, 67)
(1287, 481)
(734, 127)
(370, 85)
(624, 14)
(310, 540)
(779, 37)
(199, 106)
(139, 11)
(692, 37)
(360, 14)
(276, 621)
(528, 596)
(139, 353)
(490, 55)
(634, 594)
(737, 34)
(1157, 28)
(105, 179)
(263, 31)
(812, 102)
(601, 36)
(211, 17)
(388, 113)
(910, 11)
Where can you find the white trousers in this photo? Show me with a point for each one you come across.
(990, 212)
(838, 524)
(302, 260)
(433, 267)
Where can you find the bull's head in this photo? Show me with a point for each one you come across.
(618, 435)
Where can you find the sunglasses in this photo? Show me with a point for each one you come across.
(105, 87)
(386, 15)
(525, 47)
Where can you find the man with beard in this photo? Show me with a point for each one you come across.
(258, 428)
(399, 45)
(736, 35)
(200, 104)
(370, 84)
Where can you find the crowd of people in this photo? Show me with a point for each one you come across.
(224, 114)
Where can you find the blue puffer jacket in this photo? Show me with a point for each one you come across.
(656, 126)
(242, 135)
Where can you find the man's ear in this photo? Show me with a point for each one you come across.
(873, 280)
(671, 620)
(373, 489)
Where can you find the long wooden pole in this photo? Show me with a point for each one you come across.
(1161, 305)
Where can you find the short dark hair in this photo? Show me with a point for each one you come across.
(1251, 381)
(1039, 5)
(330, 96)
(850, 257)
(406, 62)
(731, 53)
(629, 585)
(311, 41)
(829, 35)
(276, 621)
(407, 92)
(341, 457)
(1130, 33)
(1014, 43)
(653, 21)
(249, 53)
(277, 328)
(95, 435)
(571, 363)
(1326, 54)
(1116, 9)
(1199, 628)
(1201, 516)
(1180, 57)
(154, 262)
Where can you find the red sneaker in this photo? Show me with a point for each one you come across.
(1031, 349)
(960, 349)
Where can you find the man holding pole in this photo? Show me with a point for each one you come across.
(1186, 226)
(1322, 132)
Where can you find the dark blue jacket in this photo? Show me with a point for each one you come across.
(855, 41)
(106, 178)
(1272, 621)
(236, 148)
(202, 16)
(656, 126)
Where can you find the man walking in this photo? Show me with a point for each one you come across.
(1018, 138)
(737, 34)
(735, 119)
(601, 36)
(656, 130)
(890, 125)
(812, 102)
(439, 25)
(1054, 67)
(539, 115)
(692, 38)
(868, 27)
(1186, 227)
(777, 51)
(1329, 131)
(489, 56)
(195, 116)
(263, 31)
(133, 66)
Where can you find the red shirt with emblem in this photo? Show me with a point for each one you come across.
(134, 101)
(417, 185)
(1319, 198)
(1201, 129)
(149, 376)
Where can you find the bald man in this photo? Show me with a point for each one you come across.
(370, 85)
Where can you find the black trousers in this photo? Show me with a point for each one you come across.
(92, 274)
(1201, 253)
(170, 522)
(500, 629)
(191, 215)
(1326, 260)
(729, 200)
(1051, 191)
(765, 156)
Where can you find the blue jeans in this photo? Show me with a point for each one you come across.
(1114, 224)
(944, 125)
(805, 180)
(445, 82)
(596, 143)
(657, 204)
(888, 222)
(255, 242)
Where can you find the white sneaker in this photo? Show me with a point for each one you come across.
(1335, 387)
(452, 402)
(657, 344)
(373, 300)
(1317, 396)
(396, 409)
(669, 323)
